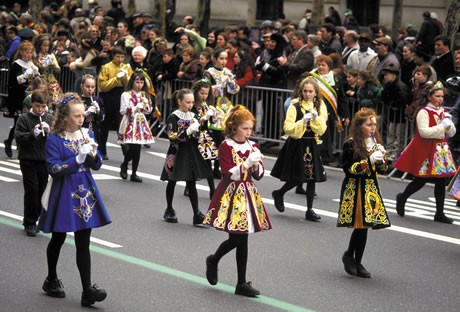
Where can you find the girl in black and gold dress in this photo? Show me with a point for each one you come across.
(361, 203)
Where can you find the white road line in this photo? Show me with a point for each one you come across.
(93, 239)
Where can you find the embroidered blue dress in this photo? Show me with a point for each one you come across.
(74, 202)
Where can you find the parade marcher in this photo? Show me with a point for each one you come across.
(21, 72)
(134, 128)
(73, 203)
(299, 159)
(112, 82)
(183, 160)
(204, 110)
(31, 132)
(428, 156)
(237, 206)
(223, 82)
(361, 203)
(94, 106)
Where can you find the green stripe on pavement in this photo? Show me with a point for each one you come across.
(173, 272)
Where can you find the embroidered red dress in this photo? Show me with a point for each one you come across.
(428, 157)
(237, 206)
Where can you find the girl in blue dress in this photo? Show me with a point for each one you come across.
(74, 203)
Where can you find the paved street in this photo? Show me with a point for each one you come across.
(146, 264)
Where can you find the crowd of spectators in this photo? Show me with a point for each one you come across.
(355, 59)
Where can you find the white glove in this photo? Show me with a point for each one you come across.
(121, 74)
(447, 115)
(96, 104)
(94, 146)
(37, 130)
(257, 61)
(146, 101)
(211, 112)
(314, 114)
(265, 67)
(253, 159)
(91, 110)
(140, 106)
(376, 157)
(306, 117)
(85, 149)
(381, 148)
(194, 127)
(446, 123)
(29, 72)
(46, 127)
(48, 61)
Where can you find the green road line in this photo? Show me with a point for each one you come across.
(170, 271)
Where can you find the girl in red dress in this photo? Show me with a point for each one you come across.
(428, 157)
(236, 206)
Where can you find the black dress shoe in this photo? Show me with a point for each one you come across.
(349, 264)
(311, 215)
(135, 178)
(247, 290)
(170, 216)
(147, 146)
(279, 202)
(211, 270)
(400, 202)
(124, 171)
(8, 150)
(92, 294)
(186, 192)
(198, 218)
(443, 218)
(53, 288)
(31, 230)
(105, 157)
(362, 272)
(300, 190)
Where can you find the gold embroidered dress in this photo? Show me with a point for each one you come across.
(361, 203)
(237, 206)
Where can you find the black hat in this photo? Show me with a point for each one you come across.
(421, 53)
(63, 32)
(364, 37)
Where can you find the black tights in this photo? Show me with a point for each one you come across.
(133, 153)
(13, 128)
(310, 191)
(83, 255)
(439, 190)
(193, 195)
(357, 244)
(240, 242)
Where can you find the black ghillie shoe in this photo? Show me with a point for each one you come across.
(170, 216)
(198, 218)
(124, 172)
(54, 288)
(443, 218)
(247, 290)
(135, 178)
(278, 200)
(400, 202)
(362, 272)
(92, 294)
(311, 215)
(211, 270)
(349, 264)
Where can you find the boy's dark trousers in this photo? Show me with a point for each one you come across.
(34, 179)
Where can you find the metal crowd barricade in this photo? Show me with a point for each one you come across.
(4, 65)
(271, 112)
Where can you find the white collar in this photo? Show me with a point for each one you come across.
(25, 64)
(182, 115)
(240, 147)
